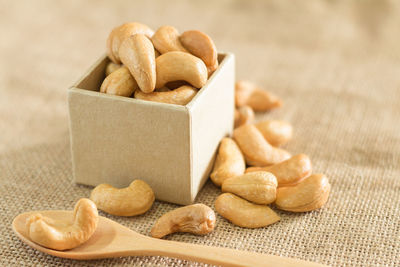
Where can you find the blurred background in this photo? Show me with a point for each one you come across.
(46, 45)
(335, 64)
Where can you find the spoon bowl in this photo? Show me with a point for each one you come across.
(112, 239)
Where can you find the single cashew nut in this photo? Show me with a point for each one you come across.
(61, 235)
(256, 150)
(180, 96)
(166, 39)
(111, 67)
(120, 33)
(135, 199)
(202, 46)
(176, 66)
(197, 219)
(276, 132)
(244, 213)
(137, 54)
(288, 172)
(247, 93)
(310, 194)
(120, 82)
(258, 187)
(229, 162)
(243, 115)
(212, 68)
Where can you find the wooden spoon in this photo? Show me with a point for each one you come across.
(111, 239)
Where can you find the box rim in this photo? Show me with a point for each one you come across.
(189, 106)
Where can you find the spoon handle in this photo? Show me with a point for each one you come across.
(218, 255)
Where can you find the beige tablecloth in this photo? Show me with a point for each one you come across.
(336, 64)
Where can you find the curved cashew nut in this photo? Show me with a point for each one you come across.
(244, 213)
(137, 54)
(179, 96)
(111, 67)
(310, 194)
(120, 33)
(276, 132)
(247, 93)
(256, 150)
(197, 219)
(202, 46)
(258, 187)
(175, 66)
(229, 162)
(61, 235)
(166, 39)
(120, 82)
(135, 199)
(288, 172)
(243, 115)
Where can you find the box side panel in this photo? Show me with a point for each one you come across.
(116, 140)
(94, 76)
(211, 119)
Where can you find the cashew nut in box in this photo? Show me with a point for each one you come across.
(120, 33)
(243, 115)
(166, 39)
(244, 213)
(62, 235)
(288, 172)
(111, 67)
(310, 194)
(137, 54)
(258, 187)
(202, 46)
(135, 199)
(176, 66)
(256, 150)
(180, 96)
(120, 82)
(276, 132)
(197, 219)
(247, 93)
(229, 162)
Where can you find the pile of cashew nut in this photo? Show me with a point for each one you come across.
(273, 174)
(162, 66)
(250, 167)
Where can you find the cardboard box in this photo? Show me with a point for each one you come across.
(118, 139)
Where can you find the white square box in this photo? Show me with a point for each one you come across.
(117, 139)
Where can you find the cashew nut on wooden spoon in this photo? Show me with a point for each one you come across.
(114, 240)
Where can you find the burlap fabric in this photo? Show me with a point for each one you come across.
(336, 64)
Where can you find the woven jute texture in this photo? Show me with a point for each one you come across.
(336, 64)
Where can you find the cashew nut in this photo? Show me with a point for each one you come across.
(247, 93)
(175, 66)
(120, 82)
(229, 162)
(258, 187)
(276, 132)
(243, 115)
(120, 33)
(111, 67)
(180, 96)
(135, 199)
(256, 150)
(288, 172)
(202, 46)
(244, 213)
(310, 194)
(137, 54)
(197, 219)
(62, 235)
(166, 39)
